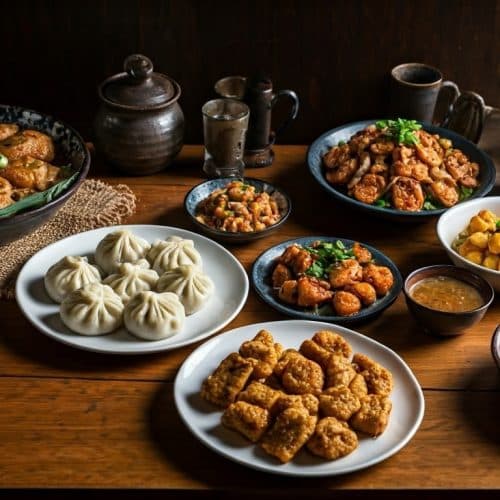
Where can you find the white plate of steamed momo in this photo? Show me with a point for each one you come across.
(132, 289)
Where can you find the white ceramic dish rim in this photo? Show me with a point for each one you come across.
(146, 347)
(443, 219)
(230, 340)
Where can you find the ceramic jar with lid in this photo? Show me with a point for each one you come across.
(139, 126)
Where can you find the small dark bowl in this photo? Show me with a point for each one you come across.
(203, 190)
(331, 138)
(70, 148)
(447, 323)
(495, 346)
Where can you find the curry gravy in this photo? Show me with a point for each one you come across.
(446, 294)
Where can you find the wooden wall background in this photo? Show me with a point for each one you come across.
(336, 54)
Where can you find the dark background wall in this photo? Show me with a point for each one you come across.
(335, 54)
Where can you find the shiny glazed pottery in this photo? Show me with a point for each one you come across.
(139, 126)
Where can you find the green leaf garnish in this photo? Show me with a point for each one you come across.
(341, 143)
(465, 193)
(4, 161)
(327, 254)
(383, 203)
(401, 131)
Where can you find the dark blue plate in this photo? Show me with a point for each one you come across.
(203, 190)
(264, 266)
(331, 138)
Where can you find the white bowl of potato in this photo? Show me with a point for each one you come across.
(470, 234)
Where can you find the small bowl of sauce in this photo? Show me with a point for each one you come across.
(446, 300)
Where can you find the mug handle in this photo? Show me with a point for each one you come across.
(291, 116)
(448, 94)
(467, 116)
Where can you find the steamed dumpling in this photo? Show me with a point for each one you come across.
(190, 284)
(69, 274)
(154, 316)
(120, 246)
(92, 310)
(173, 252)
(131, 279)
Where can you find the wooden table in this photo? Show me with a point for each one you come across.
(70, 418)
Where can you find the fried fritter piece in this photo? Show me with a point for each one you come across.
(346, 303)
(262, 352)
(312, 291)
(297, 258)
(373, 416)
(339, 402)
(250, 420)
(288, 292)
(345, 273)
(5, 193)
(378, 379)
(362, 254)
(31, 173)
(332, 439)
(7, 129)
(285, 358)
(227, 381)
(260, 395)
(380, 277)
(291, 430)
(28, 143)
(364, 291)
(315, 352)
(339, 371)
(281, 274)
(358, 386)
(333, 342)
(303, 376)
(307, 401)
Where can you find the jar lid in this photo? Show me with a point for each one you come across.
(139, 87)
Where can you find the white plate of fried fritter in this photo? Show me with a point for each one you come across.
(299, 398)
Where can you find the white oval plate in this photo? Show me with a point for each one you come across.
(228, 275)
(203, 419)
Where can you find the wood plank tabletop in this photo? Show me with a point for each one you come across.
(76, 419)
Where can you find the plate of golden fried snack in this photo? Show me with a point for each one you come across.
(326, 278)
(299, 398)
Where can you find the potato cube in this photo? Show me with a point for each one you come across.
(489, 217)
(479, 240)
(491, 261)
(494, 244)
(475, 256)
(478, 224)
(467, 247)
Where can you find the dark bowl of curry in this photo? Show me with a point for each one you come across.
(447, 300)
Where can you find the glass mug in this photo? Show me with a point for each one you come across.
(225, 124)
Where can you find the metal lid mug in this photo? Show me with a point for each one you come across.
(257, 93)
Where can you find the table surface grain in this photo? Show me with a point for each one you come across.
(76, 419)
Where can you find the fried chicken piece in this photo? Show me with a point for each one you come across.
(262, 353)
(373, 416)
(380, 277)
(7, 129)
(445, 191)
(370, 188)
(5, 200)
(461, 169)
(382, 148)
(306, 401)
(336, 156)
(291, 430)
(315, 352)
(289, 292)
(339, 371)
(364, 291)
(281, 274)
(303, 376)
(297, 258)
(333, 342)
(344, 173)
(250, 420)
(5, 193)
(312, 291)
(286, 357)
(227, 381)
(358, 386)
(346, 303)
(28, 143)
(345, 273)
(378, 379)
(407, 194)
(260, 395)
(362, 139)
(362, 254)
(339, 402)
(332, 439)
(31, 173)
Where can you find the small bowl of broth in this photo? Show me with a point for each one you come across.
(447, 300)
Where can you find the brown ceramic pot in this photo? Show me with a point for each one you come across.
(139, 126)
